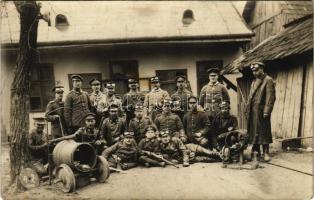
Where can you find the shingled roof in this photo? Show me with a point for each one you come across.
(297, 38)
(104, 21)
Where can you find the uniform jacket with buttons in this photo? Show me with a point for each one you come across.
(139, 126)
(149, 145)
(174, 149)
(211, 96)
(172, 122)
(154, 97)
(77, 105)
(55, 108)
(112, 129)
(194, 122)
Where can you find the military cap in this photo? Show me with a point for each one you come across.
(128, 134)
(132, 80)
(90, 115)
(164, 133)
(139, 106)
(256, 65)
(76, 76)
(150, 127)
(180, 76)
(58, 88)
(213, 70)
(114, 106)
(224, 104)
(154, 79)
(110, 85)
(39, 120)
(94, 81)
(167, 100)
(192, 97)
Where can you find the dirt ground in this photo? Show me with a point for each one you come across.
(199, 181)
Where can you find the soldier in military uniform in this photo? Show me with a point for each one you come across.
(198, 153)
(77, 105)
(155, 96)
(55, 113)
(95, 97)
(37, 145)
(173, 149)
(181, 95)
(170, 121)
(105, 103)
(196, 123)
(213, 94)
(148, 146)
(124, 153)
(113, 127)
(223, 122)
(130, 99)
(139, 123)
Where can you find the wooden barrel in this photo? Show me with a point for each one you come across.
(79, 156)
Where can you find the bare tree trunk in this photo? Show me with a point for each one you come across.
(20, 89)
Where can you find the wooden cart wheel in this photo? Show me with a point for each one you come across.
(65, 178)
(29, 178)
(103, 171)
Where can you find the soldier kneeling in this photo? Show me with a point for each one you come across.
(123, 153)
(173, 149)
(150, 149)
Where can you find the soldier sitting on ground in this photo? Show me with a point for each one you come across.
(140, 122)
(122, 154)
(173, 149)
(222, 123)
(37, 145)
(170, 121)
(196, 123)
(150, 148)
(198, 153)
(112, 128)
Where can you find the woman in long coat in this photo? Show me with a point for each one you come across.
(259, 107)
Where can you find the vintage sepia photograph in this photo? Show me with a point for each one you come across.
(156, 100)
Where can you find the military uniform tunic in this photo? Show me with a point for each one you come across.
(138, 126)
(183, 96)
(129, 101)
(154, 97)
(56, 108)
(77, 105)
(37, 144)
(196, 122)
(211, 96)
(172, 122)
(112, 129)
(174, 150)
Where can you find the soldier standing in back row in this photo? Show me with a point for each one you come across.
(95, 97)
(155, 96)
(213, 94)
(55, 113)
(130, 99)
(182, 94)
(77, 105)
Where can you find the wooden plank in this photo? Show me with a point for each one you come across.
(281, 85)
(275, 113)
(308, 125)
(297, 103)
(287, 104)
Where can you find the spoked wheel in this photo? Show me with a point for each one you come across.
(103, 171)
(65, 178)
(29, 178)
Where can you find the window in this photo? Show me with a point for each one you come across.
(42, 81)
(202, 67)
(168, 78)
(188, 17)
(87, 77)
(120, 72)
(61, 21)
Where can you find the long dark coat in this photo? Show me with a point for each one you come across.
(261, 100)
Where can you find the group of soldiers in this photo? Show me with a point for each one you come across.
(154, 129)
